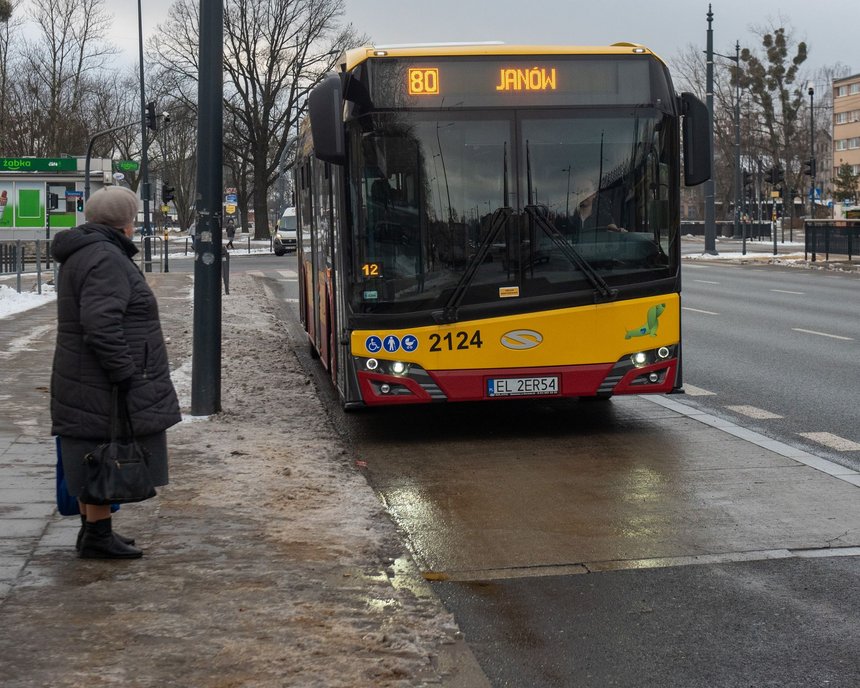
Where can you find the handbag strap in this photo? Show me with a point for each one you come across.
(115, 412)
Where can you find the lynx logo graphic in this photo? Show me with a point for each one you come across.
(521, 339)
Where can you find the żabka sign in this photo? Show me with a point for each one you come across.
(38, 164)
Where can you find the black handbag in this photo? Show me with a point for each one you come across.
(117, 472)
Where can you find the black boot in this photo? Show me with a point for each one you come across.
(99, 542)
(122, 538)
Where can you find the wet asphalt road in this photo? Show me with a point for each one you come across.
(615, 544)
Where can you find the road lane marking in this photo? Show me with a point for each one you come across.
(290, 274)
(698, 310)
(604, 566)
(830, 440)
(706, 282)
(823, 334)
(753, 412)
(694, 391)
(785, 291)
(818, 463)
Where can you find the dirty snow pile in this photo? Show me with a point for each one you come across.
(11, 302)
(309, 582)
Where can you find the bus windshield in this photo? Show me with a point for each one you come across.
(427, 188)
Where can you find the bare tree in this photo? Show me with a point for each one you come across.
(62, 65)
(276, 51)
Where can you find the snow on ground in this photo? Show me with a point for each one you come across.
(351, 607)
(11, 302)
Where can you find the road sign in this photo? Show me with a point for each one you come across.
(230, 208)
(230, 198)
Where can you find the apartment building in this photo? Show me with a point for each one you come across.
(846, 123)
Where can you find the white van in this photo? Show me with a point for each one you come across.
(285, 236)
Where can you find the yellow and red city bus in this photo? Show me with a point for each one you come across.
(490, 221)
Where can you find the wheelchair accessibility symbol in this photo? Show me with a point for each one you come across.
(373, 344)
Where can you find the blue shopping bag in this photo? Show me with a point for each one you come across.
(66, 504)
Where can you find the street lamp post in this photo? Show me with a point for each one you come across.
(144, 161)
(710, 224)
(811, 92)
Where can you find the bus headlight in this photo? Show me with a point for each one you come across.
(663, 352)
(639, 359)
(398, 367)
(371, 364)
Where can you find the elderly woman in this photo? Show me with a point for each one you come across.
(108, 335)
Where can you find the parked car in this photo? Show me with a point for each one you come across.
(285, 238)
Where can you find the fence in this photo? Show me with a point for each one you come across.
(755, 230)
(23, 257)
(841, 237)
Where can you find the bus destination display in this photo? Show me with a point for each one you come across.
(556, 80)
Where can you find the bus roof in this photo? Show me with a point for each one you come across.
(352, 58)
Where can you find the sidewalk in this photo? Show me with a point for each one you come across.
(268, 561)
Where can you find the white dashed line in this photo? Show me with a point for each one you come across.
(753, 412)
(291, 274)
(698, 310)
(823, 334)
(784, 291)
(694, 391)
(831, 440)
(705, 282)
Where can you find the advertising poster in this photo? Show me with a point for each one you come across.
(29, 201)
(7, 207)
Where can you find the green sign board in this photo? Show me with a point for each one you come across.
(127, 165)
(38, 164)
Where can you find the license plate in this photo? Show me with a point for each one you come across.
(522, 386)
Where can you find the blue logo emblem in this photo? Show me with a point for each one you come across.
(409, 343)
(391, 343)
(373, 344)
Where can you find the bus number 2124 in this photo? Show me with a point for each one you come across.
(456, 341)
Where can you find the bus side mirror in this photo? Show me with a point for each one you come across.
(697, 140)
(325, 107)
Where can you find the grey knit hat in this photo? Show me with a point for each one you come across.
(115, 206)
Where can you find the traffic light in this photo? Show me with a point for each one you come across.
(748, 178)
(53, 201)
(151, 117)
(80, 205)
(167, 193)
(775, 176)
(809, 167)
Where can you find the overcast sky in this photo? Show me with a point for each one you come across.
(665, 26)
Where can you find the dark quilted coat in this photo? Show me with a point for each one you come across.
(107, 331)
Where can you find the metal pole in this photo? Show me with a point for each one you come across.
(144, 161)
(738, 140)
(710, 225)
(811, 153)
(206, 361)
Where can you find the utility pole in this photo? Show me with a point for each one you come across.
(737, 137)
(144, 160)
(812, 165)
(206, 360)
(710, 224)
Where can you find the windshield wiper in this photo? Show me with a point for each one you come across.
(571, 253)
(449, 314)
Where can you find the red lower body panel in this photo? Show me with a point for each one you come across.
(471, 385)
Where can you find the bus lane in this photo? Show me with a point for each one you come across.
(525, 513)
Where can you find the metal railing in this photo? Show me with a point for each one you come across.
(839, 237)
(22, 258)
